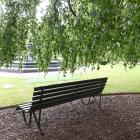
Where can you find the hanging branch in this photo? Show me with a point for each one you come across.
(72, 11)
(55, 16)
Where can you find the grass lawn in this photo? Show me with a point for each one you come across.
(18, 89)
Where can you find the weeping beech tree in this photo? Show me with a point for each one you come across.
(81, 32)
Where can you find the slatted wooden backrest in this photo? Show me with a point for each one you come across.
(46, 96)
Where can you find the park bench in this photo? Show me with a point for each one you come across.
(52, 95)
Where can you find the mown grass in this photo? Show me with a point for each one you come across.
(19, 89)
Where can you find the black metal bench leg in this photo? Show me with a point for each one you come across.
(24, 117)
(98, 103)
(85, 104)
(30, 118)
(38, 121)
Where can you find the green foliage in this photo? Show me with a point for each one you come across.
(81, 32)
(15, 19)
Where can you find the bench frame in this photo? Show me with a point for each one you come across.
(27, 108)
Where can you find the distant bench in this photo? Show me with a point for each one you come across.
(52, 95)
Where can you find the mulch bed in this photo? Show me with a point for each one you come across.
(120, 120)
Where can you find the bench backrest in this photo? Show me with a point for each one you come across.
(51, 95)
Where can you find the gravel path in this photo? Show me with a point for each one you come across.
(120, 120)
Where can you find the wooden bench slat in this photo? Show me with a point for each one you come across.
(27, 104)
(51, 91)
(67, 95)
(69, 84)
(78, 89)
(59, 101)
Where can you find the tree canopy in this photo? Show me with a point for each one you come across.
(81, 32)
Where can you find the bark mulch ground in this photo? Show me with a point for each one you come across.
(120, 120)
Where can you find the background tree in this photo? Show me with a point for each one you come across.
(81, 32)
(16, 17)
